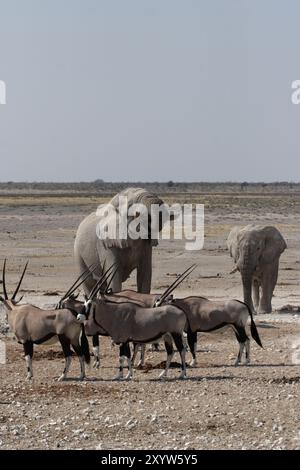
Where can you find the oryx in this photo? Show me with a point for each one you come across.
(32, 325)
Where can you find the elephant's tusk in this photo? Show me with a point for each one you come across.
(234, 270)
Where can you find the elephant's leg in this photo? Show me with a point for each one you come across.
(268, 283)
(255, 293)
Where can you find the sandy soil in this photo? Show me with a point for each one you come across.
(218, 406)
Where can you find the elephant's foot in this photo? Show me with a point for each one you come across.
(264, 310)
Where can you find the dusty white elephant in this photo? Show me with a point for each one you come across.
(256, 251)
(127, 253)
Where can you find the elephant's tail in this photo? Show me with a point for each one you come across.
(253, 329)
(85, 346)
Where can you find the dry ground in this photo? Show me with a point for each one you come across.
(218, 406)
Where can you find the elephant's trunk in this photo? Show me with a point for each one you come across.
(247, 286)
(246, 267)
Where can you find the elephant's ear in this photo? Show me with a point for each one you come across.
(232, 243)
(275, 244)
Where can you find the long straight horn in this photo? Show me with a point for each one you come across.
(100, 282)
(20, 282)
(176, 283)
(170, 288)
(80, 280)
(3, 281)
(111, 279)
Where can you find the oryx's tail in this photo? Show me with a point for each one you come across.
(85, 346)
(253, 329)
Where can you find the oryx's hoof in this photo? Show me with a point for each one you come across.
(61, 378)
(29, 377)
(118, 378)
(193, 363)
(237, 363)
(96, 364)
(182, 377)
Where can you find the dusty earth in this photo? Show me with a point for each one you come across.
(218, 407)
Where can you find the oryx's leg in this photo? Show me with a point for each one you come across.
(78, 350)
(129, 363)
(142, 358)
(28, 353)
(96, 351)
(192, 342)
(135, 351)
(181, 349)
(185, 342)
(170, 352)
(242, 338)
(136, 347)
(122, 356)
(65, 344)
(247, 343)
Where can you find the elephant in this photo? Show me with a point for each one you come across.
(256, 251)
(126, 253)
(91, 250)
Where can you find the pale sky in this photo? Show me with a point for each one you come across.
(149, 90)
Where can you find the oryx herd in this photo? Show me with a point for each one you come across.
(130, 318)
(127, 317)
